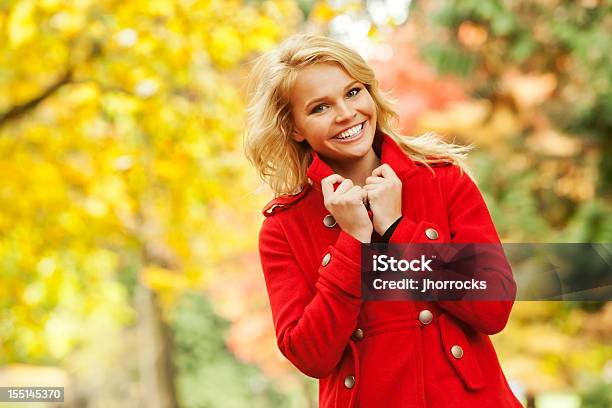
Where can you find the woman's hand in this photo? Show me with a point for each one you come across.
(346, 205)
(384, 191)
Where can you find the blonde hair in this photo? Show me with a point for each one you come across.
(283, 162)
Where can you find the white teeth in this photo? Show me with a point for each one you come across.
(350, 132)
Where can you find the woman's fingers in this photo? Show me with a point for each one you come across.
(345, 186)
(355, 193)
(374, 180)
(385, 171)
(364, 196)
(347, 191)
(327, 184)
(372, 187)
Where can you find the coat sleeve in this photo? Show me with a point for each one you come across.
(313, 324)
(470, 222)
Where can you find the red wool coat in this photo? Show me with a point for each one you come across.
(383, 353)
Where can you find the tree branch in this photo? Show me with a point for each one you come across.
(19, 110)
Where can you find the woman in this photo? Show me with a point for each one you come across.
(320, 134)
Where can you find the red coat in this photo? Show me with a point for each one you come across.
(383, 353)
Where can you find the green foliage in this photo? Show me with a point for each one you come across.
(208, 374)
(599, 396)
(449, 59)
(566, 37)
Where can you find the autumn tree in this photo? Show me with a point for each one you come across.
(121, 153)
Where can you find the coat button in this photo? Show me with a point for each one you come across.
(457, 351)
(326, 259)
(431, 233)
(329, 221)
(357, 334)
(425, 316)
(349, 381)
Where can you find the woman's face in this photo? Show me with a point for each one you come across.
(333, 112)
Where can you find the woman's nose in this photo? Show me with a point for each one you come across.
(345, 111)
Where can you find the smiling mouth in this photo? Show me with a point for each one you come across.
(351, 133)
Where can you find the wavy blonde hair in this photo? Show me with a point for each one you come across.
(283, 162)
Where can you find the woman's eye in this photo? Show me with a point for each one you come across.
(356, 91)
(316, 108)
(351, 93)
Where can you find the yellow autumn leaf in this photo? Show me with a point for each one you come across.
(323, 12)
(21, 24)
(529, 90)
(162, 279)
(68, 22)
(225, 46)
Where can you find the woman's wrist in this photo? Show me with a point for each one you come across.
(387, 235)
(363, 236)
(382, 227)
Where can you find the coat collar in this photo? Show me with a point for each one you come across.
(385, 147)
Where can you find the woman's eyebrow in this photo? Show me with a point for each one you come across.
(323, 97)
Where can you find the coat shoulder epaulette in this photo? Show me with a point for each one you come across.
(284, 202)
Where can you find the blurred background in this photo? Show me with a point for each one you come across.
(129, 271)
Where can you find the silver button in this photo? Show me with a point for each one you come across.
(431, 233)
(357, 334)
(457, 351)
(349, 381)
(326, 259)
(329, 221)
(425, 316)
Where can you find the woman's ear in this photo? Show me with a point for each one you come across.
(297, 137)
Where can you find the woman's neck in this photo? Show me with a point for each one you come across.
(358, 171)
